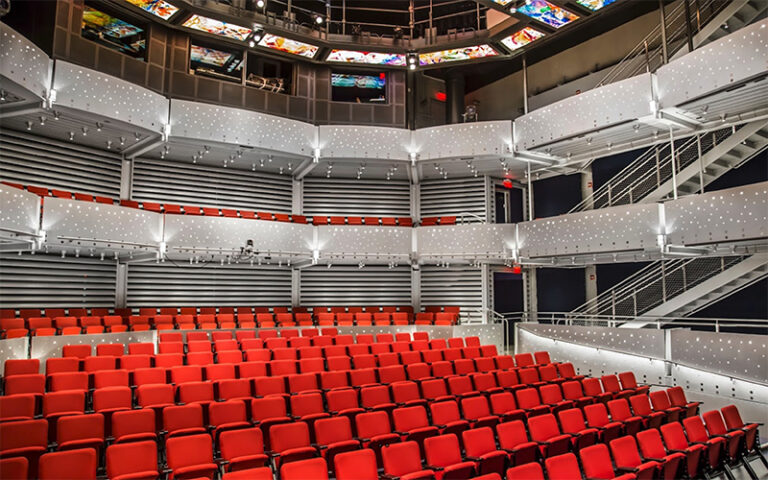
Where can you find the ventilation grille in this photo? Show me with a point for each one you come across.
(169, 285)
(34, 160)
(357, 197)
(452, 197)
(160, 181)
(349, 285)
(30, 281)
(462, 286)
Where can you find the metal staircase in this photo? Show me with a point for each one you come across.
(699, 161)
(709, 21)
(737, 277)
(677, 287)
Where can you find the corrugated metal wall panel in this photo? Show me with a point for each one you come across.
(36, 160)
(173, 182)
(452, 197)
(166, 284)
(357, 197)
(51, 281)
(350, 285)
(460, 285)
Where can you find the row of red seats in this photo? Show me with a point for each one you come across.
(175, 209)
(47, 326)
(152, 311)
(242, 446)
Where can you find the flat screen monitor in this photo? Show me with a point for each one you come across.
(358, 88)
(113, 32)
(158, 8)
(216, 63)
(545, 12)
(217, 27)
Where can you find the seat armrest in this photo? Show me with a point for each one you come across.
(432, 467)
(659, 460)
(627, 469)
(472, 459)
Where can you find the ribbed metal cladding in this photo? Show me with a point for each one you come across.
(51, 281)
(186, 184)
(34, 160)
(379, 198)
(350, 285)
(166, 284)
(452, 197)
(462, 286)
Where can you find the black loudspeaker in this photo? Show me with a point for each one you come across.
(5, 7)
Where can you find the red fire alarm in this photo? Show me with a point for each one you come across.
(517, 269)
(507, 183)
(440, 96)
(591, 276)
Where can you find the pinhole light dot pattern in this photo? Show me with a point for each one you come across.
(364, 142)
(19, 210)
(721, 216)
(99, 224)
(628, 227)
(597, 108)
(21, 61)
(730, 60)
(101, 94)
(366, 239)
(463, 139)
(740, 355)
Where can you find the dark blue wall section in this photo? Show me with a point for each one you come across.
(556, 195)
(603, 169)
(754, 171)
(560, 289)
(752, 302)
(507, 292)
(610, 274)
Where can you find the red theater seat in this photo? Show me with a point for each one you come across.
(78, 464)
(190, 457)
(132, 461)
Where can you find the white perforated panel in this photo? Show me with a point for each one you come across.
(94, 92)
(463, 139)
(629, 227)
(721, 64)
(648, 341)
(364, 241)
(723, 216)
(19, 210)
(22, 62)
(191, 234)
(242, 127)
(362, 142)
(90, 224)
(743, 356)
(597, 108)
(477, 239)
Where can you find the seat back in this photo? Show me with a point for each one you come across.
(286, 436)
(562, 467)
(401, 458)
(79, 464)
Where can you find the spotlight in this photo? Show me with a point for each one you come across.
(42, 121)
(318, 19)
(261, 3)
(98, 126)
(252, 44)
(412, 66)
(29, 125)
(71, 136)
(85, 131)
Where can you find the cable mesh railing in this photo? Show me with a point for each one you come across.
(655, 284)
(651, 170)
(649, 54)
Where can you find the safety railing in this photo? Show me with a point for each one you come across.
(651, 170)
(743, 325)
(661, 43)
(654, 285)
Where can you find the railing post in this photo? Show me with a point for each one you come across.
(634, 301)
(701, 164)
(610, 194)
(613, 304)
(685, 279)
(663, 281)
(663, 23)
(674, 166)
(647, 57)
(658, 167)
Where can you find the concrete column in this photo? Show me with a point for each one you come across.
(454, 90)
(295, 287)
(121, 284)
(126, 179)
(530, 293)
(587, 190)
(416, 289)
(410, 99)
(297, 203)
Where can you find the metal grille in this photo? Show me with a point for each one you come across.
(166, 284)
(351, 285)
(51, 281)
(454, 197)
(35, 160)
(462, 286)
(160, 181)
(357, 197)
(655, 284)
